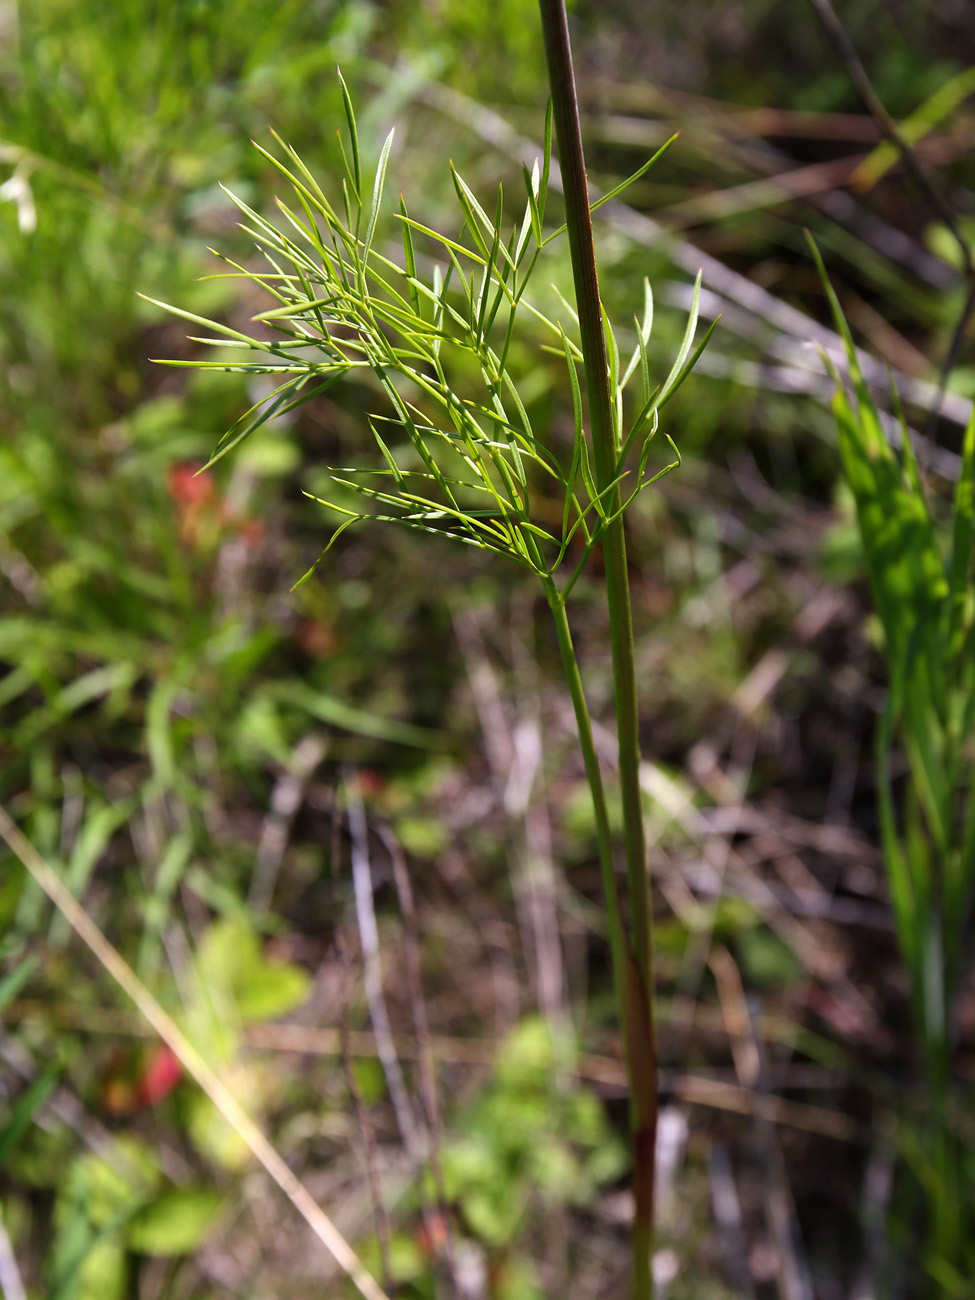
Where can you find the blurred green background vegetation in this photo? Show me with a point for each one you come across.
(180, 734)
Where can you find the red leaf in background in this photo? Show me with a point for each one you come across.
(432, 1235)
(317, 637)
(187, 487)
(202, 514)
(161, 1075)
(195, 497)
(251, 531)
(370, 782)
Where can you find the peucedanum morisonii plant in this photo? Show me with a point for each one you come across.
(467, 464)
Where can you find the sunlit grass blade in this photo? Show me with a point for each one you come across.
(578, 425)
(480, 328)
(573, 316)
(409, 255)
(615, 388)
(309, 185)
(690, 363)
(377, 196)
(479, 259)
(961, 567)
(546, 158)
(291, 309)
(643, 331)
(337, 533)
(225, 330)
(11, 984)
(477, 221)
(686, 342)
(355, 175)
(387, 456)
(619, 189)
(531, 179)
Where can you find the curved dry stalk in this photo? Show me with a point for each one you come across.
(11, 1284)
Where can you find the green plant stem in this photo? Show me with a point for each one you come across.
(637, 1008)
(633, 1006)
(570, 665)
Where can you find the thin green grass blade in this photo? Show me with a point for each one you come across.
(653, 419)
(615, 388)
(355, 518)
(839, 317)
(481, 228)
(667, 469)
(647, 415)
(569, 307)
(309, 233)
(225, 330)
(961, 566)
(902, 887)
(546, 157)
(409, 255)
(489, 271)
(579, 432)
(356, 172)
(692, 361)
(520, 237)
(348, 201)
(242, 273)
(472, 523)
(643, 330)
(309, 184)
(619, 189)
(442, 239)
(468, 206)
(414, 434)
(641, 171)
(11, 984)
(502, 294)
(377, 196)
(22, 1113)
(531, 179)
(388, 457)
(670, 382)
(290, 309)
(239, 432)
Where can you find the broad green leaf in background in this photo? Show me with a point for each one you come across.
(117, 1201)
(232, 969)
(233, 985)
(177, 1222)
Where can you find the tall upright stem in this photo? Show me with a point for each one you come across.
(618, 946)
(638, 1022)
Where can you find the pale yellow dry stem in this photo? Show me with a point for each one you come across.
(191, 1060)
